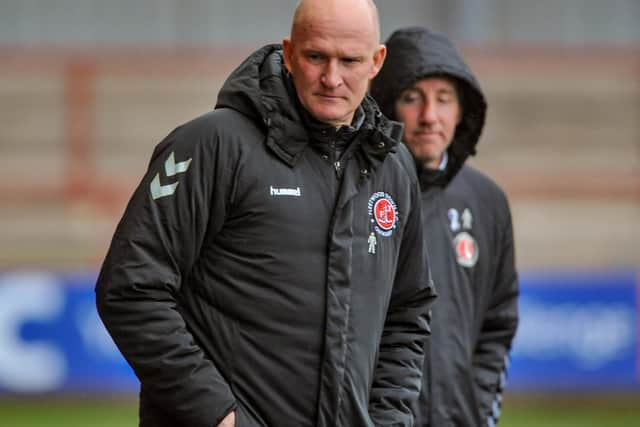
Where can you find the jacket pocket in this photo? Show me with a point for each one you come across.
(245, 419)
(215, 332)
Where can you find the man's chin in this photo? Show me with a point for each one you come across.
(330, 118)
(424, 150)
(426, 159)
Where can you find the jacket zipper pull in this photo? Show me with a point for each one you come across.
(337, 166)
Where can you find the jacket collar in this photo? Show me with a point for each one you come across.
(262, 89)
(289, 134)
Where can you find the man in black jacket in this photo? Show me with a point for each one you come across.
(269, 270)
(426, 84)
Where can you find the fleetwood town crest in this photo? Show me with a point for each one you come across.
(383, 213)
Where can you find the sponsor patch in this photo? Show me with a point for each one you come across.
(383, 213)
(466, 249)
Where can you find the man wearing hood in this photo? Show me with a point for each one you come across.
(426, 84)
(269, 270)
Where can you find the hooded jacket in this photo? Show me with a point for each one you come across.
(468, 221)
(253, 272)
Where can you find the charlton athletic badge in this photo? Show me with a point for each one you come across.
(466, 249)
(383, 213)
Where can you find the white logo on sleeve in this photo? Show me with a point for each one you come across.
(171, 168)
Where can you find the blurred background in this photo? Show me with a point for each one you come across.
(88, 88)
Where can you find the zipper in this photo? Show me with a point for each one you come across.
(336, 164)
(338, 167)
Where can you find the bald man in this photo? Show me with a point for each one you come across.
(269, 269)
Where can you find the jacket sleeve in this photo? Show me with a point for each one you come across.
(153, 250)
(491, 355)
(398, 375)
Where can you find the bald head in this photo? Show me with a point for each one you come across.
(363, 13)
(332, 53)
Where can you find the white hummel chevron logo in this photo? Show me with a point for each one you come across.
(171, 168)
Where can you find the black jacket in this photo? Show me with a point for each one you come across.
(252, 272)
(468, 221)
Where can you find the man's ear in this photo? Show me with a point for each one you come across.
(287, 52)
(378, 59)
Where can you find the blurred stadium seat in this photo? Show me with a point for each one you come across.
(78, 126)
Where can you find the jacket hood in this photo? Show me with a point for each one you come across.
(415, 53)
(255, 86)
(262, 89)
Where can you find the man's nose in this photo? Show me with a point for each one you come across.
(429, 112)
(331, 75)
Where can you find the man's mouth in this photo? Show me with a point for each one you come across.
(426, 133)
(328, 96)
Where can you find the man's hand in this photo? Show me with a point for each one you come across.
(229, 420)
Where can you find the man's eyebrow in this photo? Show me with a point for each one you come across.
(450, 90)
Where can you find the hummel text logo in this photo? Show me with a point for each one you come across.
(285, 191)
(171, 168)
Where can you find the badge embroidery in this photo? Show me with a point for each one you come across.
(467, 219)
(383, 213)
(372, 243)
(454, 221)
(466, 249)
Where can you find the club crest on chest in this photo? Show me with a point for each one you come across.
(383, 213)
(464, 244)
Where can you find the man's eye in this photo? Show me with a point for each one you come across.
(445, 99)
(410, 98)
